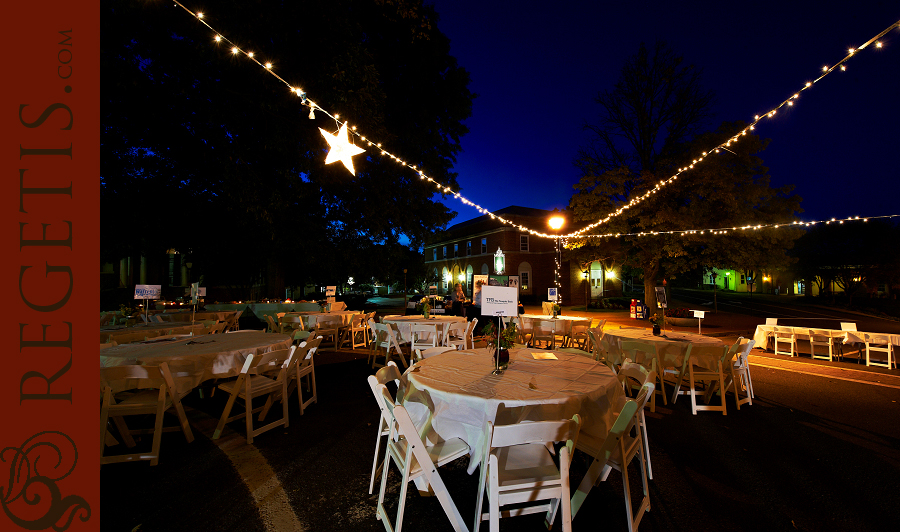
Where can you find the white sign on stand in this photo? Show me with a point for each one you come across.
(499, 301)
(699, 314)
(147, 291)
(330, 291)
(551, 294)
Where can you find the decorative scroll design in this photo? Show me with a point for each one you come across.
(34, 469)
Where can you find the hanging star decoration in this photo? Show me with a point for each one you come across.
(341, 149)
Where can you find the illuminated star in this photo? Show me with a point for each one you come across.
(341, 149)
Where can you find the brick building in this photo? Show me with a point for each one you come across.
(468, 248)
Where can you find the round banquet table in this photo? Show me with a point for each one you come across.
(454, 393)
(197, 358)
(403, 324)
(706, 351)
(313, 316)
(162, 328)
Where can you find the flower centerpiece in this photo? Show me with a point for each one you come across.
(657, 320)
(506, 340)
(425, 307)
(556, 309)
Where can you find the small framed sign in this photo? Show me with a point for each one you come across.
(552, 294)
(499, 301)
(330, 290)
(147, 291)
(661, 297)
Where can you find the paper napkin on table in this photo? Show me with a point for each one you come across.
(544, 356)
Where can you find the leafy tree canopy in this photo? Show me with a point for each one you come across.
(649, 127)
(203, 150)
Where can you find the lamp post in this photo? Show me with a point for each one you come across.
(405, 294)
(556, 223)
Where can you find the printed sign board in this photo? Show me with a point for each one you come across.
(499, 301)
(551, 294)
(147, 291)
(330, 290)
(432, 290)
(699, 313)
(661, 296)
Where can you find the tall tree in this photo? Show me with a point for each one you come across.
(203, 150)
(648, 129)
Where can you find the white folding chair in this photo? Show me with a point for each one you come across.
(328, 327)
(849, 327)
(518, 468)
(455, 335)
(305, 366)
(414, 458)
(382, 376)
(578, 335)
(715, 377)
(880, 343)
(644, 353)
(740, 374)
(619, 448)
(356, 333)
(785, 335)
(157, 394)
(251, 384)
(386, 341)
(543, 331)
(633, 375)
(431, 351)
(423, 336)
(821, 338)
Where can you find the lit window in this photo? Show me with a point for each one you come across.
(523, 281)
(435, 253)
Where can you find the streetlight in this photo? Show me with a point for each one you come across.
(556, 223)
(405, 294)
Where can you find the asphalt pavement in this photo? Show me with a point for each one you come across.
(819, 449)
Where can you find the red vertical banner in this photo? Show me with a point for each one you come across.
(50, 268)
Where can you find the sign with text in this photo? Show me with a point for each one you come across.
(661, 297)
(699, 313)
(147, 291)
(330, 290)
(499, 301)
(551, 294)
(432, 290)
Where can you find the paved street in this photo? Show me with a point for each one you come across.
(819, 449)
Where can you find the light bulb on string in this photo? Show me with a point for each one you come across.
(826, 70)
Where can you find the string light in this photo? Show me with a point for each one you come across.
(631, 203)
(726, 230)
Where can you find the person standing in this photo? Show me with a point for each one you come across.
(459, 297)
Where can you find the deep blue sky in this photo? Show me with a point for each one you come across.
(537, 67)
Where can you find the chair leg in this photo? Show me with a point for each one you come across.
(228, 406)
(158, 427)
(646, 447)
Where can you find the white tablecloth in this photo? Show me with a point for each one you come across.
(403, 324)
(457, 393)
(200, 357)
(706, 351)
(764, 332)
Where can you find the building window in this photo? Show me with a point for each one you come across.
(742, 279)
(469, 247)
(484, 245)
(445, 252)
(435, 253)
(525, 278)
(485, 270)
(523, 242)
(455, 250)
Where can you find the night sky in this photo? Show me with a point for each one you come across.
(538, 66)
